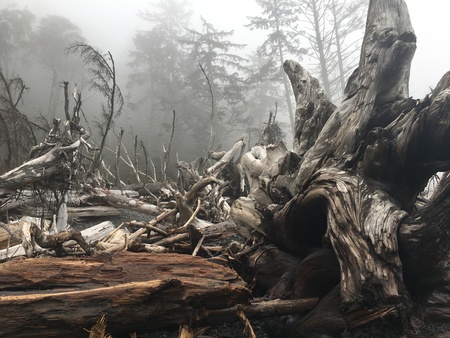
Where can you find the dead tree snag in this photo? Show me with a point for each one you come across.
(362, 167)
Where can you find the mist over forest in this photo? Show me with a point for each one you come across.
(177, 72)
(281, 162)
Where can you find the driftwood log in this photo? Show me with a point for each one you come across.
(362, 166)
(137, 292)
(37, 169)
(19, 232)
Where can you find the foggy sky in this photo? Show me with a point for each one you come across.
(110, 25)
(432, 58)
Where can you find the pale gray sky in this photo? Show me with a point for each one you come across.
(110, 24)
(432, 59)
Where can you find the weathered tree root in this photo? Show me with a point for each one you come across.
(32, 235)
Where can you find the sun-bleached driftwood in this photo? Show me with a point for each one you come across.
(125, 202)
(36, 169)
(268, 171)
(238, 146)
(137, 292)
(92, 211)
(313, 107)
(35, 239)
(73, 213)
(90, 235)
(10, 234)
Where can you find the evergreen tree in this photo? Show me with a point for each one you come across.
(53, 36)
(158, 81)
(278, 17)
(15, 32)
(263, 96)
(217, 81)
(16, 132)
(158, 61)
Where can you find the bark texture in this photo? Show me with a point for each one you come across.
(136, 292)
(362, 166)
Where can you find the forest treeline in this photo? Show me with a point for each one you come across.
(187, 87)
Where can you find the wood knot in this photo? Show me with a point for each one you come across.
(388, 36)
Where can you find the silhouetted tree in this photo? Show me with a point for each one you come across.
(328, 26)
(278, 17)
(54, 34)
(15, 31)
(16, 132)
(211, 49)
(158, 59)
(160, 66)
(347, 18)
(102, 71)
(263, 95)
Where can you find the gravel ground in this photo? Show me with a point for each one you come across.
(438, 330)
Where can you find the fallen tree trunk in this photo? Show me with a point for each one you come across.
(136, 292)
(125, 202)
(90, 235)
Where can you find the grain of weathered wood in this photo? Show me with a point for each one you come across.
(135, 291)
(36, 169)
(125, 202)
(362, 167)
(92, 234)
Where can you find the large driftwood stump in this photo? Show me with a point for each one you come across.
(137, 292)
(363, 165)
